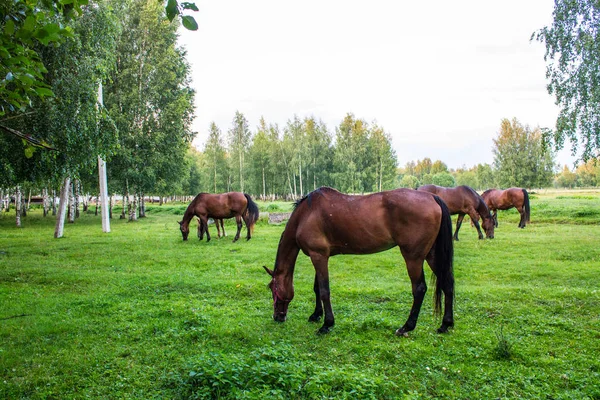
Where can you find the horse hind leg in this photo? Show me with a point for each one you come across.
(522, 221)
(448, 290)
(419, 288)
(238, 220)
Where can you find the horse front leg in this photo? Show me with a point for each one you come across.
(223, 228)
(419, 288)
(495, 216)
(318, 313)
(322, 278)
(474, 218)
(238, 220)
(204, 220)
(459, 221)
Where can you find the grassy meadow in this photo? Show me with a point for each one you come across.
(138, 313)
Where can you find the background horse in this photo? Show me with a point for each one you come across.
(326, 223)
(217, 222)
(219, 206)
(497, 199)
(463, 200)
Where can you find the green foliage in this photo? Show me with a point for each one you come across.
(409, 181)
(573, 67)
(24, 26)
(521, 157)
(443, 179)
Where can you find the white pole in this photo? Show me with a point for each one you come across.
(103, 183)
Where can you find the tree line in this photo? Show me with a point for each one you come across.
(292, 160)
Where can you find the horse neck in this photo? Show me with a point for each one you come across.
(285, 261)
(483, 209)
(188, 215)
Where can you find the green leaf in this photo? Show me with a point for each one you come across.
(189, 6)
(171, 9)
(9, 27)
(29, 24)
(189, 23)
(44, 92)
(29, 150)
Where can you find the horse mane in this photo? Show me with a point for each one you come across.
(480, 200)
(487, 191)
(309, 196)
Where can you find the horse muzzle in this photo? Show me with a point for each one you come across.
(279, 316)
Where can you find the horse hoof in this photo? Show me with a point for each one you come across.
(323, 330)
(314, 318)
(401, 332)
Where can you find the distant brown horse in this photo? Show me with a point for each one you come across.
(326, 223)
(497, 199)
(463, 200)
(217, 221)
(219, 206)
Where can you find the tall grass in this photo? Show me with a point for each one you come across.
(138, 313)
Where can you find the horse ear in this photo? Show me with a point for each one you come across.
(179, 222)
(268, 270)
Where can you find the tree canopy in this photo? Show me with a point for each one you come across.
(573, 68)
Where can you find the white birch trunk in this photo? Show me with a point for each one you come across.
(133, 209)
(71, 214)
(18, 206)
(62, 208)
(45, 201)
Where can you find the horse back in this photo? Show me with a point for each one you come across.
(333, 223)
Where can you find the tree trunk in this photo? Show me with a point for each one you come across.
(300, 175)
(71, 213)
(62, 210)
(45, 201)
(97, 201)
(110, 206)
(53, 202)
(76, 196)
(28, 204)
(133, 209)
(142, 206)
(18, 206)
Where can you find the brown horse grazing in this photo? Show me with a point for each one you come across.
(219, 206)
(326, 223)
(463, 200)
(497, 199)
(217, 222)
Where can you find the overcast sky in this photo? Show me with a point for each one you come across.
(438, 76)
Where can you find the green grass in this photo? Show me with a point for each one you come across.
(138, 313)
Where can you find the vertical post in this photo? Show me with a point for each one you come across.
(104, 212)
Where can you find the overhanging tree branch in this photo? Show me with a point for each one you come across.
(28, 138)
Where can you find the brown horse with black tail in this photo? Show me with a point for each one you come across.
(463, 200)
(497, 199)
(326, 223)
(220, 206)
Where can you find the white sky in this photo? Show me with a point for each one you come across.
(438, 76)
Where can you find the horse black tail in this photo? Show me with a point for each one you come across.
(443, 257)
(252, 213)
(526, 205)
